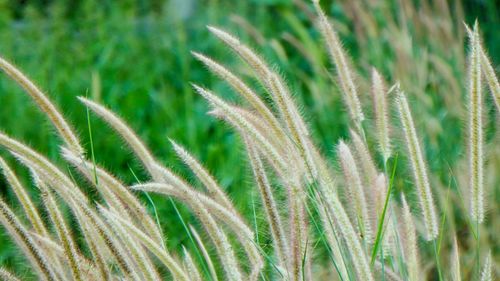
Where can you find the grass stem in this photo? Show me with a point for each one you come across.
(381, 221)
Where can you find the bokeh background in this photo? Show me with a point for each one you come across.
(134, 56)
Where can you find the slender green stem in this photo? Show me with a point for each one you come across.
(437, 248)
(382, 218)
(468, 219)
(443, 220)
(150, 200)
(312, 190)
(92, 147)
(188, 232)
(438, 263)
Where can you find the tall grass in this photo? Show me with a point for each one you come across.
(365, 233)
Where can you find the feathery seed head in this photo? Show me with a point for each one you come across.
(220, 197)
(491, 77)
(380, 188)
(344, 72)
(152, 246)
(419, 169)
(63, 233)
(455, 261)
(365, 159)
(245, 91)
(191, 268)
(200, 203)
(409, 237)
(380, 109)
(476, 138)
(245, 52)
(355, 189)
(33, 160)
(486, 67)
(486, 273)
(240, 122)
(7, 276)
(216, 191)
(126, 133)
(63, 128)
(23, 197)
(24, 240)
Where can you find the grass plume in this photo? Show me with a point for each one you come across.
(475, 141)
(343, 70)
(65, 131)
(419, 168)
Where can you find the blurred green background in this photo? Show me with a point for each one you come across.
(134, 56)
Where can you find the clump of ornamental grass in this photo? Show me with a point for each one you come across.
(355, 220)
